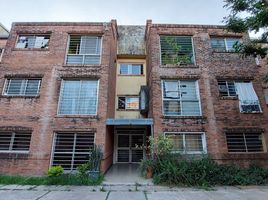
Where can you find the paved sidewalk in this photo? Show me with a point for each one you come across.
(130, 192)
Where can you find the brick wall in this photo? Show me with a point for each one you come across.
(217, 113)
(40, 113)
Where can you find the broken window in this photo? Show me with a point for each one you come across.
(128, 103)
(15, 141)
(84, 50)
(224, 44)
(180, 98)
(177, 50)
(32, 41)
(22, 87)
(244, 142)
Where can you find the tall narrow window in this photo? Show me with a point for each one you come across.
(22, 87)
(78, 97)
(248, 99)
(84, 50)
(72, 149)
(180, 98)
(32, 41)
(224, 44)
(177, 50)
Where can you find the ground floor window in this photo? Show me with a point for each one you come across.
(188, 143)
(72, 149)
(15, 141)
(244, 142)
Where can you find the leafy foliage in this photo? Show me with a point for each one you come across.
(55, 171)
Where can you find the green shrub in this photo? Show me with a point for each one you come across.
(55, 171)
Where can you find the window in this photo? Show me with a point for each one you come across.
(188, 143)
(1, 53)
(72, 149)
(128, 103)
(15, 141)
(84, 50)
(131, 69)
(78, 97)
(177, 50)
(223, 44)
(180, 98)
(32, 41)
(248, 99)
(266, 95)
(244, 142)
(22, 87)
(227, 88)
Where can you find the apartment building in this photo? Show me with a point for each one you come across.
(68, 86)
(3, 39)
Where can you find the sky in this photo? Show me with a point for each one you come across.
(126, 12)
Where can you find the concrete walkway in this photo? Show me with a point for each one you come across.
(130, 192)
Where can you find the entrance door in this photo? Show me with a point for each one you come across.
(129, 147)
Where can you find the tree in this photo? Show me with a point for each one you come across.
(256, 19)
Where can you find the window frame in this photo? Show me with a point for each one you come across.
(6, 86)
(227, 86)
(128, 97)
(33, 35)
(130, 69)
(245, 143)
(180, 99)
(193, 49)
(60, 96)
(1, 54)
(73, 150)
(83, 63)
(11, 143)
(226, 49)
(203, 139)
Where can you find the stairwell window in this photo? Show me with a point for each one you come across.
(78, 97)
(188, 143)
(131, 69)
(244, 142)
(32, 41)
(15, 141)
(224, 44)
(128, 103)
(177, 50)
(180, 98)
(22, 87)
(84, 50)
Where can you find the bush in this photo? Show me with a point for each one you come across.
(55, 171)
(176, 170)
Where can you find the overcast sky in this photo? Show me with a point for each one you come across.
(126, 12)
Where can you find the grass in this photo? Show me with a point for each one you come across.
(60, 180)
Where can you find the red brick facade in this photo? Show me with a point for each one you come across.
(39, 114)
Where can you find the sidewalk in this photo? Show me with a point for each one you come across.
(130, 192)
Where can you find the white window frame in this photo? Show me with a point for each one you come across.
(192, 40)
(203, 137)
(180, 100)
(60, 96)
(130, 69)
(227, 86)
(128, 97)
(73, 152)
(83, 62)
(225, 43)
(13, 134)
(22, 89)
